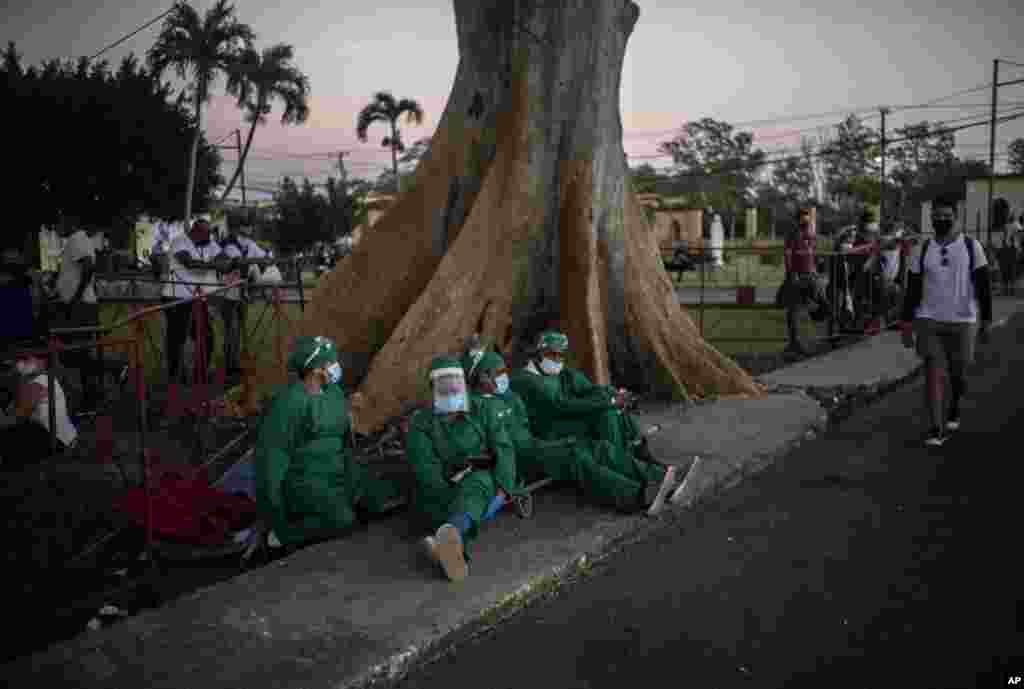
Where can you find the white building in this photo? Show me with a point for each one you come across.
(974, 209)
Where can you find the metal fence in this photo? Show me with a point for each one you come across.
(859, 288)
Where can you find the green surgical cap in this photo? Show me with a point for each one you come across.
(311, 352)
(445, 366)
(555, 341)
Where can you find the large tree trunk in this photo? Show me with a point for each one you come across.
(520, 216)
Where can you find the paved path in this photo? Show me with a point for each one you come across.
(368, 605)
(862, 559)
(722, 295)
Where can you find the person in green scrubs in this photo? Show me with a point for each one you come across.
(588, 464)
(308, 484)
(463, 466)
(562, 402)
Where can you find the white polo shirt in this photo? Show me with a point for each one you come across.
(948, 290)
(76, 247)
(179, 273)
(245, 248)
(66, 432)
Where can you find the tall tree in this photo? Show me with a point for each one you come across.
(130, 163)
(793, 176)
(387, 110)
(645, 178)
(722, 163)
(521, 217)
(1015, 151)
(258, 80)
(850, 167)
(923, 153)
(200, 49)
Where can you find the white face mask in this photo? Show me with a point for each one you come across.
(25, 368)
(334, 373)
(501, 383)
(450, 404)
(551, 367)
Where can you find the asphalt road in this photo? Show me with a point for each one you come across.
(863, 559)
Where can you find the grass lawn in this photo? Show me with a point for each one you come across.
(261, 326)
(750, 331)
(757, 264)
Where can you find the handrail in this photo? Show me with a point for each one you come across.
(141, 313)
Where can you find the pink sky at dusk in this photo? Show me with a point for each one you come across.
(724, 59)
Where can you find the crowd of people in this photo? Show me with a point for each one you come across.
(67, 307)
(862, 284)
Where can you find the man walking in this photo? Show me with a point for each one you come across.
(948, 288)
(802, 287)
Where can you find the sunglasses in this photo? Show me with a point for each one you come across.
(945, 257)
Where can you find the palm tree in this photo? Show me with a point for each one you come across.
(386, 109)
(203, 49)
(258, 79)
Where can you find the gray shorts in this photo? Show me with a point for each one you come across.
(946, 344)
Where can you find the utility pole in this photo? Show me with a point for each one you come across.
(881, 196)
(992, 147)
(238, 145)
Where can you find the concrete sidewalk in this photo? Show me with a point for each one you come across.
(363, 609)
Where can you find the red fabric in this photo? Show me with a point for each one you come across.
(188, 510)
(104, 439)
(799, 254)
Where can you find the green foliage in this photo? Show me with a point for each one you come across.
(307, 217)
(118, 138)
(849, 159)
(257, 80)
(200, 48)
(720, 165)
(1015, 150)
(387, 110)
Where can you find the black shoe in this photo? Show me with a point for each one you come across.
(643, 452)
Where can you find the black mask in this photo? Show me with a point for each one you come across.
(942, 227)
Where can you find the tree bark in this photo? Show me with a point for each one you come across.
(520, 217)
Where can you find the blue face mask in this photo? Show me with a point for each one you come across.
(450, 404)
(334, 373)
(501, 382)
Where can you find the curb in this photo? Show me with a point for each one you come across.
(627, 532)
(838, 403)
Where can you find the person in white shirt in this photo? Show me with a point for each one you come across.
(194, 263)
(25, 424)
(948, 289)
(238, 246)
(76, 305)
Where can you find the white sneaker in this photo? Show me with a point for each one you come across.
(450, 553)
(935, 439)
(953, 424)
(680, 492)
(667, 484)
(429, 546)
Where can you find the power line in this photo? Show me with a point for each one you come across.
(122, 40)
(825, 152)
